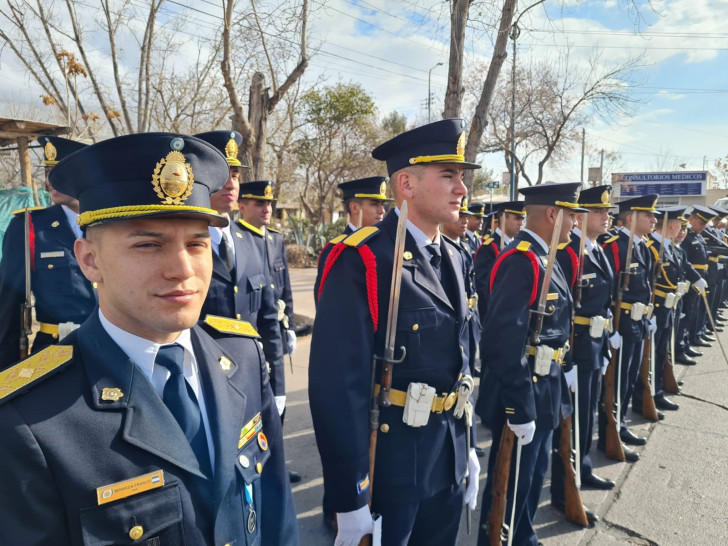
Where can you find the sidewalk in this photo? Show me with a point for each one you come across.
(675, 495)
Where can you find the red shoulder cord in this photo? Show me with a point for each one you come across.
(531, 255)
(327, 245)
(615, 254)
(31, 240)
(370, 265)
(492, 244)
(574, 264)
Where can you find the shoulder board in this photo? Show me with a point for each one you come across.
(524, 246)
(26, 373)
(562, 246)
(28, 209)
(231, 326)
(253, 229)
(487, 240)
(338, 239)
(611, 239)
(272, 230)
(361, 236)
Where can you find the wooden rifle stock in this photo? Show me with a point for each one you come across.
(573, 506)
(649, 410)
(26, 315)
(613, 444)
(502, 471)
(671, 385)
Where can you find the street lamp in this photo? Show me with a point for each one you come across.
(429, 87)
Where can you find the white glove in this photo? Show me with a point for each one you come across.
(471, 493)
(615, 341)
(291, 341)
(700, 285)
(570, 377)
(604, 366)
(280, 404)
(523, 432)
(353, 526)
(652, 326)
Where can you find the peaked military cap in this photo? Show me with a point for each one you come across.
(228, 142)
(564, 195)
(261, 190)
(374, 187)
(676, 212)
(512, 207)
(704, 213)
(596, 197)
(720, 212)
(476, 209)
(645, 203)
(140, 175)
(57, 148)
(438, 142)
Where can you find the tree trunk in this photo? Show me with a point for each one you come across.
(258, 117)
(455, 89)
(480, 118)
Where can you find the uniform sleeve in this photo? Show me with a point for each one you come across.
(12, 291)
(31, 508)
(270, 331)
(340, 382)
(505, 332)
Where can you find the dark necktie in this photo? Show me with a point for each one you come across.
(182, 402)
(226, 253)
(435, 258)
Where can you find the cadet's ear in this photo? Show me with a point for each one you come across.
(405, 182)
(86, 251)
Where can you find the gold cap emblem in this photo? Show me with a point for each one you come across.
(111, 395)
(383, 188)
(461, 144)
(231, 150)
(50, 151)
(173, 179)
(605, 197)
(268, 192)
(464, 203)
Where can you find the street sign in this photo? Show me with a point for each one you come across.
(665, 184)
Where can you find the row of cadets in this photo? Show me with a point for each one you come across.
(64, 298)
(527, 394)
(589, 351)
(159, 429)
(716, 270)
(474, 227)
(509, 217)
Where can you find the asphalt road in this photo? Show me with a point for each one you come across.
(677, 494)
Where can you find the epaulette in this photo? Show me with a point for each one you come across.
(562, 246)
(27, 373)
(28, 209)
(337, 239)
(227, 325)
(361, 236)
(611, 239)
(487, 240)
(524, 246)
(272, 230)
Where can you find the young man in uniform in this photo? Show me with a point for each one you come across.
(475, 226)
(421, 464)
(364, 201)
(152, 433)
(64, 298)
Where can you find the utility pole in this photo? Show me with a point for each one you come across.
(601, 168)
(583, 143)
(429, 90)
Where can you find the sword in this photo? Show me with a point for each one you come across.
(540, 312)
(468, 414)
(652, 364)
(577, 449)
(712, 323)
(511, 529)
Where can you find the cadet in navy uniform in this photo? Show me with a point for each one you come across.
(590, 350)
(510, 215)
(695, 248)
(475, 226)
(419, 470)
(152, 433)
(62, 294)
(633, 327)
(364, 201)
(512, 390)
(240, 286)
(683, 352)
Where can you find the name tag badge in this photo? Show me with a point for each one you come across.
(588, 276)
(128, 488)
(54, 254)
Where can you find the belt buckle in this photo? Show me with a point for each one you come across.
(448, 401)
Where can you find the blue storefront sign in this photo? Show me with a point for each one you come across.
(665, 184)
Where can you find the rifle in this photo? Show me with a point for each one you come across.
(647, 370)
(388, 359)
(26, 308)
(497, 529)
(541, 312)
(613, 443)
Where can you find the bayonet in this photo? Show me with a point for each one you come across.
(541, 311)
